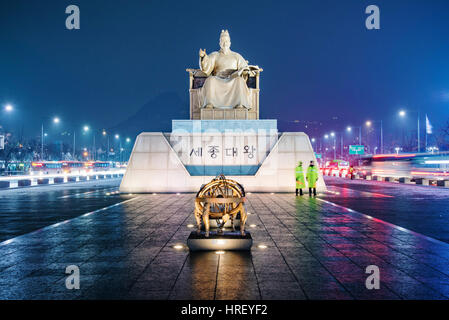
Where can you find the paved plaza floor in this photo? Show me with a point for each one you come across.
(315, 249)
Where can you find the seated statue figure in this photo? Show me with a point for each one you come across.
(227, 72)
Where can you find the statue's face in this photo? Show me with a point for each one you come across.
(225, 42)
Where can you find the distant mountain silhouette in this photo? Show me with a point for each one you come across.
(156, 115)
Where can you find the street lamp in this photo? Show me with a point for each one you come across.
(402, 114)
(9, 108)
(55, 120)
(117, 137)
(313, 142)
(369, 123)
(86, 129)
(332, 134)
(104, 135)
(349, 129)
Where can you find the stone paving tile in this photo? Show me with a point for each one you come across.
(315, 250)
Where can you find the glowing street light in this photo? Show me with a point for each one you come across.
(334, 147)
(104, 132)
(326, 136)
(55, 120)
(368, 123)
(117, 136)
(402, 114)
(349, 129)
(9, 108)
(86, 128)
(128, 139)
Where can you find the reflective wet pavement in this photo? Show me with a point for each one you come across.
(424, 209)
(315, 249)
(27, 209)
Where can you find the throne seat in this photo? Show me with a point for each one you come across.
(196, 81)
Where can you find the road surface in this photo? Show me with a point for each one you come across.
(27, 209)
(423, 209)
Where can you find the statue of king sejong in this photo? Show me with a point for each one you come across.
(227, 71)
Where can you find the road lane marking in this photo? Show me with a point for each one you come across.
(375, 194)
(76, 194)
(88, 192)
(386, 223)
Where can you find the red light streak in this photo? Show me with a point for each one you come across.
(381, 156)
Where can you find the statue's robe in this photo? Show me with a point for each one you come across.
(225, 86)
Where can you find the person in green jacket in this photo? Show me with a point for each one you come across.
(299, 174)
(312, 178)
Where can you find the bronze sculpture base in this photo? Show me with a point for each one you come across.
(215, 241)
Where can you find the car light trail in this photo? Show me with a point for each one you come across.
(428, 173)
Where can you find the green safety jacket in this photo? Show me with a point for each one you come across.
(312, 176)
(299, 173)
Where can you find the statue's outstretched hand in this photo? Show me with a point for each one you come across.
(202, 52)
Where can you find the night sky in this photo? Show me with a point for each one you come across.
(319, 60)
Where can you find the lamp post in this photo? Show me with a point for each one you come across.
(369, 124)
(128, 140)
(105, 134)
(326, 136)
(86, 129)
(349, 129)
(402, 114)
(117, 137)
(94, 136)
(56, 120)
(335, 151)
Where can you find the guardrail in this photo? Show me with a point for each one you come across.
(404, 180)
(11, 182)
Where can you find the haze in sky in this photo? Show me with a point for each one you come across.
(319, 60)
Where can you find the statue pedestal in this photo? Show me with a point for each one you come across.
(254, 154)
(228, 114)
(225, 241)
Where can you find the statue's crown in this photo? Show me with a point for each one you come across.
(224, 33)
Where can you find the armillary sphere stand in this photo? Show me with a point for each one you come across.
(221, 200)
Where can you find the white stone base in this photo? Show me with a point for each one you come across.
(154, 166)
